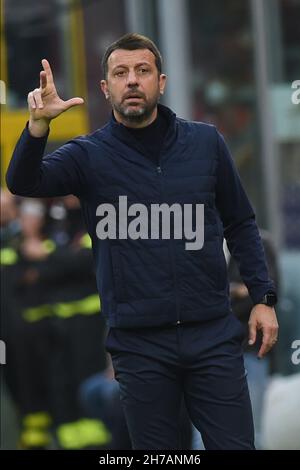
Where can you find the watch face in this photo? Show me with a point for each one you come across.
(271, 299)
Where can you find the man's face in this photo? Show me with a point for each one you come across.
(133, 85)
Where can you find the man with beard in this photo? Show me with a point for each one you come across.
(172, 334)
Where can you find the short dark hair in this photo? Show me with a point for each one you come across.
(131, 42)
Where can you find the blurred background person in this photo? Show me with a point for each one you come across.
(56, 329)
(10, 231)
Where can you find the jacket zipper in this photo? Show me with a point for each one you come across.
(160, 175)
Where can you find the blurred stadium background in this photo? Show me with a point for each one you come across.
(231, 63)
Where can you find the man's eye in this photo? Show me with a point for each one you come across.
(143, 70)
(121, 73)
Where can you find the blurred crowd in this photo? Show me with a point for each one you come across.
(51, 321)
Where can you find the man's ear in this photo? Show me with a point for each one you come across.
(162, 83)
(104, 88)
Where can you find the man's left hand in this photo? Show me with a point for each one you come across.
(263, 318)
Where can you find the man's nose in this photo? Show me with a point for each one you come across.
(132, 79)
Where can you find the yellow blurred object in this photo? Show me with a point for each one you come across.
(40, 420)
(83, 433)
(70, 124)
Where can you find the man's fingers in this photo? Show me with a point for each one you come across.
(31, 101)
(274, 334)
(47, 68)
(263, 318)
(263, 350)
(38, 98)
(73, 102)
(267, 342)
(43, 79)
(252, 333)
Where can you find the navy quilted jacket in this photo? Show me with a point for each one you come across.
(148, 282)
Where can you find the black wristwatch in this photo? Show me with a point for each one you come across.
(270, 299)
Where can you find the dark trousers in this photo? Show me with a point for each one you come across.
(201, 362)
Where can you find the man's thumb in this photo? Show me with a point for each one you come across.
(73, 102)
(252, 333)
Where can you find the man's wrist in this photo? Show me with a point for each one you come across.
(269, 299)
(38, 128)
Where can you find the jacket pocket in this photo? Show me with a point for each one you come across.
(117, 274)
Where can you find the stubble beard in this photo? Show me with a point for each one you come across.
(136, 115)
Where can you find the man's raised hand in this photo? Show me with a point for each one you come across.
(44, 104)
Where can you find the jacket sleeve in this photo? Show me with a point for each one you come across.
(240, 228)
(58, 174)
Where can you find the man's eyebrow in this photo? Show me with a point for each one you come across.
(142, 63)
(125, 66)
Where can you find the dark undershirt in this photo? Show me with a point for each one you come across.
(151, 137)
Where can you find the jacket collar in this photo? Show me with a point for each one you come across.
(121, 133)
